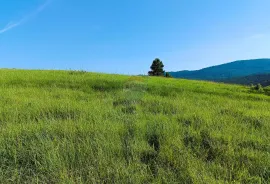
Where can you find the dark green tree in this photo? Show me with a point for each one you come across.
(156, 68)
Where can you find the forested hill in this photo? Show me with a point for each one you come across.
(227, 71)
(263, 79)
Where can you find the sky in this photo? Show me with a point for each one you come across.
(125, 36)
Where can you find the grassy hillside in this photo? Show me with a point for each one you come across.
(228, 70)
(76, 127)
(263, 79)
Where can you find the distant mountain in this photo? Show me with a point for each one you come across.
(227, 71)
(263, 79)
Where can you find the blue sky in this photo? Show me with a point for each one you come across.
(124, 36)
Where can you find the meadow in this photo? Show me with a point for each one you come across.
(79, 127)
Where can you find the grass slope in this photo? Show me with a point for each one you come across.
(76, 127)
(228, 70)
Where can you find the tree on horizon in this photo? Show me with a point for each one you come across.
(157, 68)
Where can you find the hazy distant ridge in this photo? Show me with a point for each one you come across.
(227, 71)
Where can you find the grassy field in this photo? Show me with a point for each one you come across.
(77, 127)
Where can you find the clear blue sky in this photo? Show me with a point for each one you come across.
(124, 36)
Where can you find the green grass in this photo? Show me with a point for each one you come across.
(78, 127)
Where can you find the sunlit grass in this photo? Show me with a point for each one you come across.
(78, 127)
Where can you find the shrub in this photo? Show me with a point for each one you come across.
(259, 88)
(168, 75)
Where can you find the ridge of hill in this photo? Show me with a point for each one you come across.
(226, 71)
